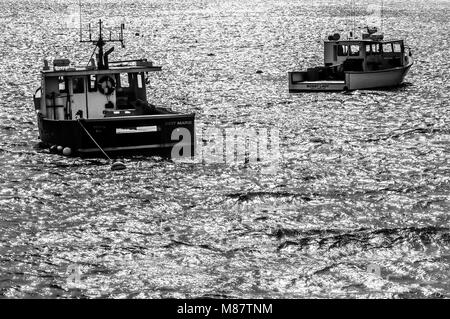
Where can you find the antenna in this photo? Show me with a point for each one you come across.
(102, 41)
(352, 32)
(102, 57)
(354, 17)
(81, 29)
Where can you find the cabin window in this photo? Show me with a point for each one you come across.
(342, 50)
(354, 50)
(397, 47)
(139, 81)
(375, 49)
(387, 48)
(92, 83)
(62, 84)
(124, 81)
(78, 85)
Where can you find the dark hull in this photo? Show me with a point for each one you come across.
(146, 134)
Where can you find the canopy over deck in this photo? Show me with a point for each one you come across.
(362, 41)
(111, 70)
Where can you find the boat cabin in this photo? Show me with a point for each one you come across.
(364, 55)
(93, 93)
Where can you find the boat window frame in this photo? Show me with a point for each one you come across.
(140, 80)
(388, 45)
(399, 44)
(92, 83)
(76, 88)
(63, 86)
(377, 46)
(124, 77)
(350, 51)
(340, 50)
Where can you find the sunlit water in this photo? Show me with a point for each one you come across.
(363, 180)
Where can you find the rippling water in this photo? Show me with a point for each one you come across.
(363, 182)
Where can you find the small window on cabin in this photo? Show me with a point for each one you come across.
(354, 50)
(397, 48)
(78, 85)
(124, 82)
(342, 50)
(92, 83)
(368, 51)
(62, 84)
(375, 49)
(387, 48)
(139, 81)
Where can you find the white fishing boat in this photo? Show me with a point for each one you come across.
(353, 64)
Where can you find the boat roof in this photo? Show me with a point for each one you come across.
(363, 41)
(91, 71)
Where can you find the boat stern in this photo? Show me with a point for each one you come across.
(304, 82)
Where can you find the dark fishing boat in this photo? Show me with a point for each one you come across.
(103, 107)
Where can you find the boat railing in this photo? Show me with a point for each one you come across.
(136, 62)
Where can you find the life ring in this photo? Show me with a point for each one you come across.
(106, 85)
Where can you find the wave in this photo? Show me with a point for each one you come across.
(364, 238)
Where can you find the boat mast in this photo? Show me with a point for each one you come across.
(102, 60)
(352, 33)
(81, 29)
(354, 17)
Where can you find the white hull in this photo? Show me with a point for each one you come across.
(353, 80)
(376, 79)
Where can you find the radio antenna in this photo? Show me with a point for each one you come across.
(102, 57)
(81, 28)
(354, 18)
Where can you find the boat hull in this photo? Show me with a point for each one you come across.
(315, 86)
(353, 80)
(376, 79)
(149, 134)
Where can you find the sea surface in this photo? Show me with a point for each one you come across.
(358, 206)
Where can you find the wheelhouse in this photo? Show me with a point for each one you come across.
(92, 93)
(364, 55)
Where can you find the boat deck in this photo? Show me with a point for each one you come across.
(320, 85)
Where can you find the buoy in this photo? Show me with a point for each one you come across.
(59, 148)
(67, 151)
(53, 149)
(118, 166)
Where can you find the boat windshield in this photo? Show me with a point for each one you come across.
(386, 47)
